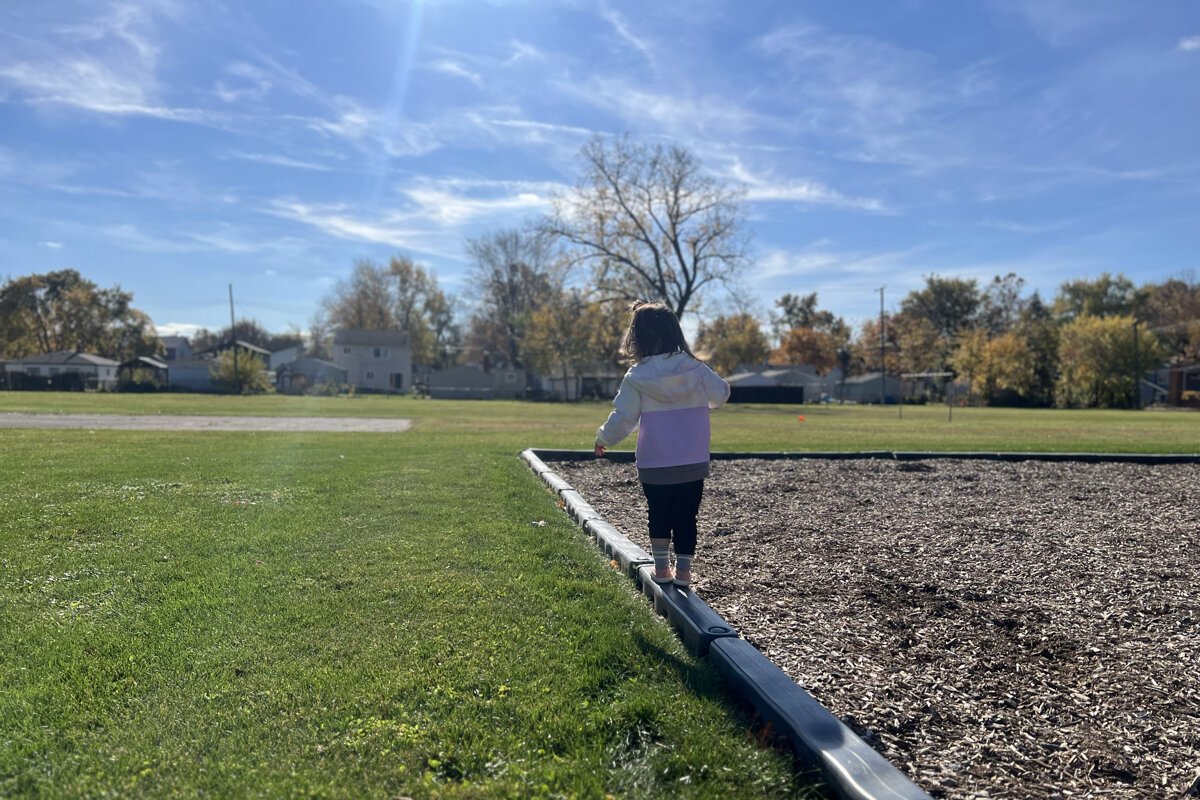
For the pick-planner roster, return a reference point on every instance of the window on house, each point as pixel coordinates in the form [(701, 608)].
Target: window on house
[(35, 370), (510, 377), (54, 370), (370, 376), (381, 352), (346, 351)]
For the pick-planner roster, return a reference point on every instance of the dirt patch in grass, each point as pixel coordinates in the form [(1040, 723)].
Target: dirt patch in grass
[(1023, 629), (180, 422)]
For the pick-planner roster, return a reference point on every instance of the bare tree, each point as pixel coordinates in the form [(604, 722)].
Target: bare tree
[(516, 273), (651, 223)]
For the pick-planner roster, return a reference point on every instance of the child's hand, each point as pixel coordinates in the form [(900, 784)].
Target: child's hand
[(600, 450)]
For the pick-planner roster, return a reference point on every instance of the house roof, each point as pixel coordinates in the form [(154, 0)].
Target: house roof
[(785, 376), (751, 379), (67, 357), (145, 361), (347, 336), (241, 344), (775, 376), (311, 362), (870, 376)]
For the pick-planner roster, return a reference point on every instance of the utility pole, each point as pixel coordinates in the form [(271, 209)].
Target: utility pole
[(882, 350), (237, 376), (1137, 369)]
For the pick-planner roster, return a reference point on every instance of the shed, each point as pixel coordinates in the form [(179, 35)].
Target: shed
[(299, 375), (1183, 385), (159, 370), (865, 388), (461, 383)]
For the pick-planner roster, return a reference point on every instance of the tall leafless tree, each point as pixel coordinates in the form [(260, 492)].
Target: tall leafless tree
[(651, 223), (516, 272)]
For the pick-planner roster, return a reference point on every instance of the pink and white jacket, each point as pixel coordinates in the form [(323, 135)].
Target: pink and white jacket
[(667, 397)]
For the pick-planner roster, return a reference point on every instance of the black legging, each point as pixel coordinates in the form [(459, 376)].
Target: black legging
[(673, 510)]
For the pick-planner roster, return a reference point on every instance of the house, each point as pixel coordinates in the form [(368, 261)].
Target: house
[(466, 382), (301, 374), (64, 369), (763, 383), (865, 388), (594, 382), (191, 374), (378, 361), (194, 372), (285, 356), (761, 387), (176, 348)]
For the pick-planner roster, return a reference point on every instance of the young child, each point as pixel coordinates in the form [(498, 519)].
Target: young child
[(666, 394)]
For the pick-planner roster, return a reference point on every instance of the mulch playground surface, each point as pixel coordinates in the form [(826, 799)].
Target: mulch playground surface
[(1013, 630)]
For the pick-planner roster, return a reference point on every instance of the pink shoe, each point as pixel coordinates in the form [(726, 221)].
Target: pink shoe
[(662, 578)]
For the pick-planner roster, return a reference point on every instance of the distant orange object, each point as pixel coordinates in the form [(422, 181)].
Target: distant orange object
[(800, 418)]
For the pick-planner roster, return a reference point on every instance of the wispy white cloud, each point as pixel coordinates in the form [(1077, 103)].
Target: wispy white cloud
[(868, 99), (780, 263), (1024, 228), (106, 65), (445, 204), (541, 127), (340, 221), (219, 238), (456, 70), (1066, 22), (523, 51), (277, 160), (674, 112), (434, 216), (864, 86), (52, 245), (554, 143), (765, 188), (133, 237), (1190, 43), (188, 329), (845, 280), (375, 130), (249, 83), (626, 33)]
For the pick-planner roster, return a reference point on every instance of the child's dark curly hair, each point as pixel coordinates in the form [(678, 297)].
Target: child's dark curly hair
[(653, 330)]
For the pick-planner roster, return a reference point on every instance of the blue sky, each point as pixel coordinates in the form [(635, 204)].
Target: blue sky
[(176, 146)]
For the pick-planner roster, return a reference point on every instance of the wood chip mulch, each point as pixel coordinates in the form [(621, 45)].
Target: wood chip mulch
[(1012, 630)]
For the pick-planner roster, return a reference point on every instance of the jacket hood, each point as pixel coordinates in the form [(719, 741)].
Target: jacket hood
[(667, 377)]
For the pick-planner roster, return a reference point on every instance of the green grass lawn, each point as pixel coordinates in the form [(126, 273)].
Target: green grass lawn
[(355, 615), (744, 427)]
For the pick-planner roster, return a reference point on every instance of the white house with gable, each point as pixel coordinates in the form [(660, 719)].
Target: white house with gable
[(94, 371), (375, 360)]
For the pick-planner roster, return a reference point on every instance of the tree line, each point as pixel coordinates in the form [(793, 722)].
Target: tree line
[(646, 222)]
